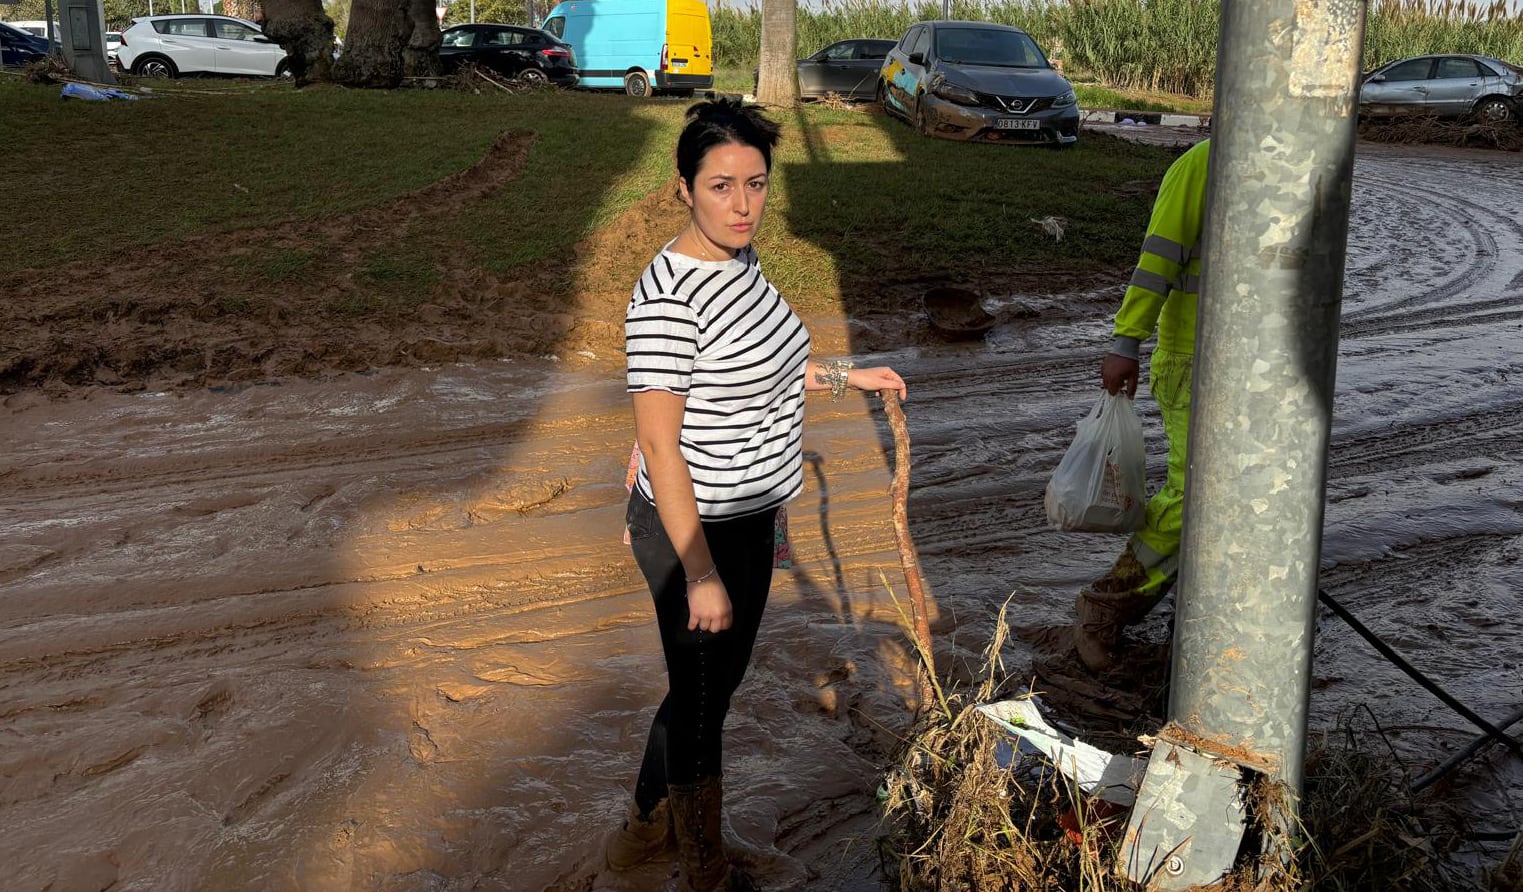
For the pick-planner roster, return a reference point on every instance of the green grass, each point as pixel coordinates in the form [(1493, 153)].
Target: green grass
[(855, 193)]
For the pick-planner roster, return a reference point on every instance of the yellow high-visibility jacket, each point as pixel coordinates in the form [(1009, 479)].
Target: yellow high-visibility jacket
[(1165, 287)]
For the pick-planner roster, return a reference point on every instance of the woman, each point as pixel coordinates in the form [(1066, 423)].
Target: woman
[(717, 365)]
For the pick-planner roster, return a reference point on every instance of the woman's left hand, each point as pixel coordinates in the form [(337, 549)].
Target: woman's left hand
[(876, 379)]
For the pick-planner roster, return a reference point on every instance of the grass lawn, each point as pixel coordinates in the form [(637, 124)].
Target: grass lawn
[(183, 180)]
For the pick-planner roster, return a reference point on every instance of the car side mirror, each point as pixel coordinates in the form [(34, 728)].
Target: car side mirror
[(1378, 79), (917, 58)]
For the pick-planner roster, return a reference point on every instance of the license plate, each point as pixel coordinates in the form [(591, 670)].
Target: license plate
[(1017, 124), (678, 66)]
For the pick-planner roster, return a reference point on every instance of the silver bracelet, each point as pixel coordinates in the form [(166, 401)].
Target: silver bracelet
[(834, 374), (694, 581)]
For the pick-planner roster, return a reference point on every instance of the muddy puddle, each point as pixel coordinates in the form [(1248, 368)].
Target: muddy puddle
[(378, 631)]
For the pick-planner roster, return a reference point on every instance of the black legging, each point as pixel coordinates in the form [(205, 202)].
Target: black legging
[(703, 669)]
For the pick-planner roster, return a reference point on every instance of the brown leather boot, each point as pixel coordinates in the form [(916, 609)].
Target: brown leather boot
[(696, 812), (639, 838)]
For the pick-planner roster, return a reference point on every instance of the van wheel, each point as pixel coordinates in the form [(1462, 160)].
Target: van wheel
[(637, 84)]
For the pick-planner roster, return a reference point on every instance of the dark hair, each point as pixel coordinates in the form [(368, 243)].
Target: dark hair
[(716, 122)]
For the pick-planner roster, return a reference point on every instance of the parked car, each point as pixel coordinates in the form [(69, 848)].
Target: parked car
[(526, 54), (18, 47), (846, 68), (978, 81), (172, 45), (639, 46), (113, 43), (1448, 86)]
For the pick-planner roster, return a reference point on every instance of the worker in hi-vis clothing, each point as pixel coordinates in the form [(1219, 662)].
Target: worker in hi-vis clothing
[(1162, 296)]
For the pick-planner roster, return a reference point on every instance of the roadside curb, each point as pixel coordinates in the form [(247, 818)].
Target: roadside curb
[(1156, 119)]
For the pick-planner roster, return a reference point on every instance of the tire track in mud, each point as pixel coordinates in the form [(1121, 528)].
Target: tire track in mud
[(1492, 243)]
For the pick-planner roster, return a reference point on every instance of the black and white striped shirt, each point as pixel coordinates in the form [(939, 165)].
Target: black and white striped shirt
[(718, 333)]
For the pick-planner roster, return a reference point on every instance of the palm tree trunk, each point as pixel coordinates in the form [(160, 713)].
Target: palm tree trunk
[(305, 32), (777, 78), (378, 34), (421, 58)]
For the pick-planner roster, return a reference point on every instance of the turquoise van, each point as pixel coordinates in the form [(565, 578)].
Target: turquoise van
[(638, 46)]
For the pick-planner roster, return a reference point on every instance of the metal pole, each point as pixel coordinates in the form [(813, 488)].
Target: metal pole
[(473, 12), (1266, 347)]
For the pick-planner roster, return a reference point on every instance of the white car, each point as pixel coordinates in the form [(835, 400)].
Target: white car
[(38, 27), (171, 45)]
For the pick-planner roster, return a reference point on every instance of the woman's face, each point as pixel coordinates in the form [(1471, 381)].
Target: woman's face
[(728, 195)]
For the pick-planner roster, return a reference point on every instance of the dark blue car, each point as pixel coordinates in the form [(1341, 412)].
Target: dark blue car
[(17, 47)]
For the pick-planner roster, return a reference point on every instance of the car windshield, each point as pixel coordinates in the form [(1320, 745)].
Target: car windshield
[(988, 46)]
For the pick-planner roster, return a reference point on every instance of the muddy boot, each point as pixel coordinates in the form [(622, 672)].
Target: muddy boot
[(700, 839), (639, 838), (1119, 599)]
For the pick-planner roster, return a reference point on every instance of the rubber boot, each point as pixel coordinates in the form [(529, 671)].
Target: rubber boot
[(639, 838), (1121, 598), (696, 821)]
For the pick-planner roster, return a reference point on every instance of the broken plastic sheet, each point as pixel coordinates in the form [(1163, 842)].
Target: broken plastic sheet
[(93, 94), (1098, 773)]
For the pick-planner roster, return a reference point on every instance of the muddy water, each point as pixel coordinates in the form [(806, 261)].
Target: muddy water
[(378, 632)]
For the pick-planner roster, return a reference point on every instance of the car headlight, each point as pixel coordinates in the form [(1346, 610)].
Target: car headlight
[(1065, 100), (953, 93)]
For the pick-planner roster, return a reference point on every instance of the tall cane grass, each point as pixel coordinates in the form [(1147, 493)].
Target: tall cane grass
[(1165, 45)]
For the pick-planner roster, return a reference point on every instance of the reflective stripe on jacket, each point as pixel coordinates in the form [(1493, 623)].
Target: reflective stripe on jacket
[(1163, 293)]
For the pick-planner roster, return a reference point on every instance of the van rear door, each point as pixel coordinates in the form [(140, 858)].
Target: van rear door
[(689, 42)]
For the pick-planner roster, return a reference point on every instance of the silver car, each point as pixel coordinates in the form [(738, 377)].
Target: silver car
[(1447, 86)]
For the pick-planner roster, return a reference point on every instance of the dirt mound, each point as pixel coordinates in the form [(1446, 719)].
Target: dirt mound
[(295, 297), (1428, 130)]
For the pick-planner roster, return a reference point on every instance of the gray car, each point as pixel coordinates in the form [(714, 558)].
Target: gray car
[(978, 81), (1450, 86)]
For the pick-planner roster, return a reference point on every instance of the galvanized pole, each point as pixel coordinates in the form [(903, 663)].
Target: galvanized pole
[(1266, 348)]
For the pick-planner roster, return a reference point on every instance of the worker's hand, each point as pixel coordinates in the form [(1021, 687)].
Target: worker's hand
[(708, 606), (1119, 371)]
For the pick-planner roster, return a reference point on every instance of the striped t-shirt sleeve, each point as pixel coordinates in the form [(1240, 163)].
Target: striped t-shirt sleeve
[(661, 343)]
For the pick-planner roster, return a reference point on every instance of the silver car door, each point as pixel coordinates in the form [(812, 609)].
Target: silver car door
[(1455, 86), (1398, 88)]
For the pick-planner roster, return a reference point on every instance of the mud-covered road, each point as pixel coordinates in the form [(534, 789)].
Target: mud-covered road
[(379, 632)]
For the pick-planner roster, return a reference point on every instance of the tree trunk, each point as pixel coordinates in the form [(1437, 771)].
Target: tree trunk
[(421, 58), (378, 33), (777, 78), (305, 32)]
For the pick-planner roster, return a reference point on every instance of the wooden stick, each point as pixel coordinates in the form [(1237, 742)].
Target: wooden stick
[(908, 558)]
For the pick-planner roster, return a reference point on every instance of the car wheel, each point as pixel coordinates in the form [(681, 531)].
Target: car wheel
[(155, 66), (1493, 110), (637, 84), (533, 77), (283, 69), (922, 120)]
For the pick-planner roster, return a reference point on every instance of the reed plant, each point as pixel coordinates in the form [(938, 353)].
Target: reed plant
[(1156, 45)]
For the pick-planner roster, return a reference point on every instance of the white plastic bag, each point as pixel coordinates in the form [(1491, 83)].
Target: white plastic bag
[(1100, 486)]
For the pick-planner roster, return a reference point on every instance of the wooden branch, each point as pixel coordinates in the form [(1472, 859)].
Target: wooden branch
[(908, 558)]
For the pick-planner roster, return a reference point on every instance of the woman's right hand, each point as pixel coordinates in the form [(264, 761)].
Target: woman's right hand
[(708, 606)]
